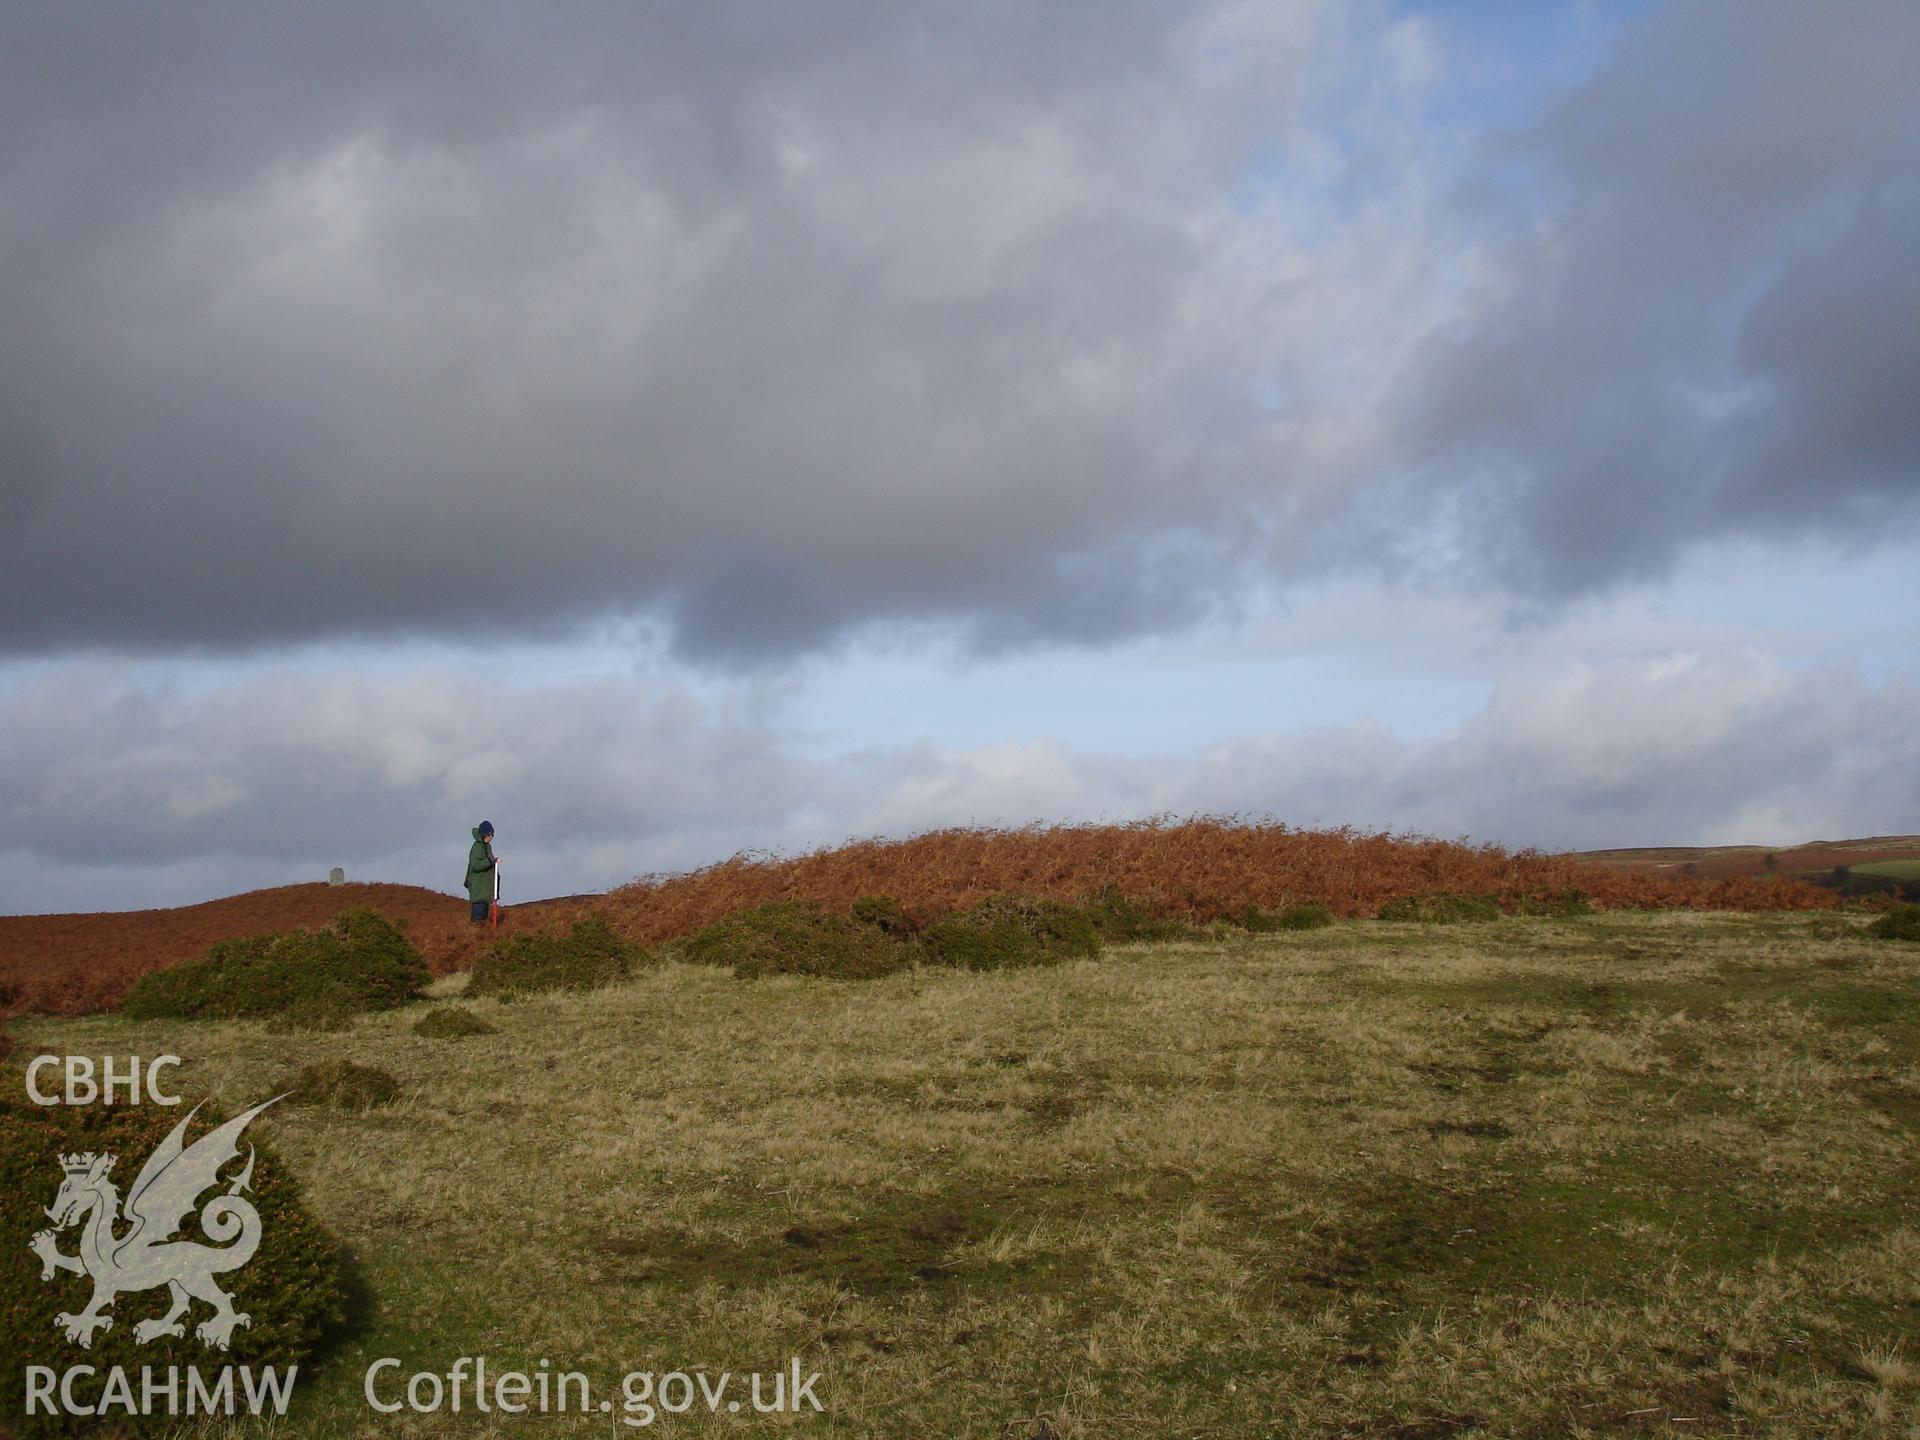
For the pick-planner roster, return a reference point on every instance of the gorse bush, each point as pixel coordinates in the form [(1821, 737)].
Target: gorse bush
[(1006, 932), (588, 956), (451, 1022), (363, 962), (1444, 909), (792, 938), (340, 1084), (1902, 922), (293, 1290)]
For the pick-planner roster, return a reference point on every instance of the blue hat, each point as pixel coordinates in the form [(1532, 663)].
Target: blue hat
[(486, 827)]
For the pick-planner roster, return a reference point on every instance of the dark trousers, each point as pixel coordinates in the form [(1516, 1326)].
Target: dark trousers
[(480, 909)]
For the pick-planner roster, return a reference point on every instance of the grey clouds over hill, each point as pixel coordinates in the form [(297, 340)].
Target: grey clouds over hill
[(1065, 322)]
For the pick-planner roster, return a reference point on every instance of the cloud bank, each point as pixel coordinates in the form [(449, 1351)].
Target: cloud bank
[(1071, 322), (160, 795)]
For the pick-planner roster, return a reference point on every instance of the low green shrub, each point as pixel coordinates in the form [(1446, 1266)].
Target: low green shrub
[(588, 956), (339, 1084), (1308, 915), (1118, 918), (363, 962), (451, 1022), (1556, 905), (1005, 945), (1902, 922), (1442, 909), (294, 1290), (1063, 930), (793, 937), (1005, 932)]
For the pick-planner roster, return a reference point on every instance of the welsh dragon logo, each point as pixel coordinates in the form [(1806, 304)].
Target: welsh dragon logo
[(146, 1254)]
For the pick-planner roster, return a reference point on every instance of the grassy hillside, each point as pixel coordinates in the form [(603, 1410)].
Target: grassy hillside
[(1643, 1174)]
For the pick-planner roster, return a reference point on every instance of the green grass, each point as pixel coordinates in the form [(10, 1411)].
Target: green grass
[(1622, 1174), (1900, 870), (1895, 869)]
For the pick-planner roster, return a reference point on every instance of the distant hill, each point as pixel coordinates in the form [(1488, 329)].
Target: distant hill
[(1824, 862)]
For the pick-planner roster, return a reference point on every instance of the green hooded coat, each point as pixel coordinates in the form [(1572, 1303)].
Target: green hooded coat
[(479, 869)]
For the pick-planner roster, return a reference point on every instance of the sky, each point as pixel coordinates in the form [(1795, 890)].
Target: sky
[(675, 430)]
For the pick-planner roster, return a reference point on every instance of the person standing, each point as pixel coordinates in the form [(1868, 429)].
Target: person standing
[(480, 863)]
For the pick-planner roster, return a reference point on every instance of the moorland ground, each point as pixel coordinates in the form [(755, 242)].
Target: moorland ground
[(1197, 869), (1634, 1173)]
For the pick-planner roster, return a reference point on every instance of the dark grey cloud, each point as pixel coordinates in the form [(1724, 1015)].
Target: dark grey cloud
[(128, 794), (773, 317), (1706, 319), (1063, 321)]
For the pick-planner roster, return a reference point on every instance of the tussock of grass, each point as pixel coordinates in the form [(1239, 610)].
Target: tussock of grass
[(314, 978), (452, 1022), (587, 957), (338, 1084)]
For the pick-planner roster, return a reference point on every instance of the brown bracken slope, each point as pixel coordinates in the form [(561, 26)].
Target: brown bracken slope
[(1197, 869), (1200, 869), (76, 964)]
